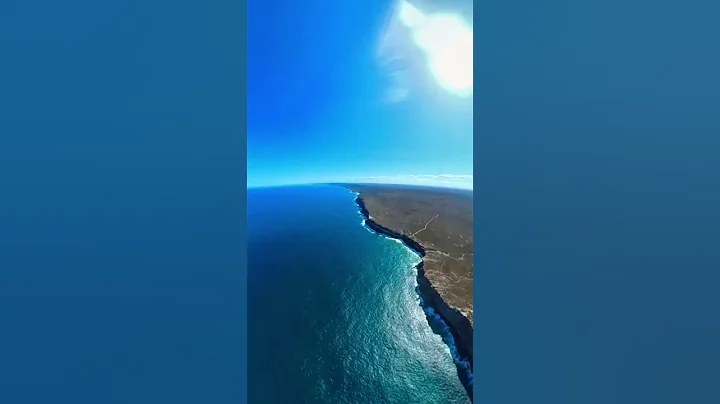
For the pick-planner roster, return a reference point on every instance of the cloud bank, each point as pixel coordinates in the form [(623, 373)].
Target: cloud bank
[(463, 181)]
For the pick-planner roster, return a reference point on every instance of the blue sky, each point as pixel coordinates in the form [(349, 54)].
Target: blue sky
[(350, 91)]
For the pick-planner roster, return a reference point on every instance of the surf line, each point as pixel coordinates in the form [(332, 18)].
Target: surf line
[(437, 323)]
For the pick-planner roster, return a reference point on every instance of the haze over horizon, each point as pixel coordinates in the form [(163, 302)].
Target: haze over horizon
[(360, 92), (441, 180)]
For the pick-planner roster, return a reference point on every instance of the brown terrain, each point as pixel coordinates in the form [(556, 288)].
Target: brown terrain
[(438, 223)]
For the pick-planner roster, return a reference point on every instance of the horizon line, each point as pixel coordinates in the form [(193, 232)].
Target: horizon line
[(342, 183)]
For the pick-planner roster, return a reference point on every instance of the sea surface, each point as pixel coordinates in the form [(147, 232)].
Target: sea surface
[(333, 315)]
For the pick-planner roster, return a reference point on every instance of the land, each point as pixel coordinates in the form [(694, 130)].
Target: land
[(437, 223)]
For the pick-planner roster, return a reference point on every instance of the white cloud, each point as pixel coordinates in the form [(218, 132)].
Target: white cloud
[(464, 181), (414, 41)]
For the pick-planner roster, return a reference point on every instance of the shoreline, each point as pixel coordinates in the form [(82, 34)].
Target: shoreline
[(433, 305)]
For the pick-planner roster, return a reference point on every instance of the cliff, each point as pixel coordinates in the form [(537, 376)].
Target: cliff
[(434, 294), (459, 325)]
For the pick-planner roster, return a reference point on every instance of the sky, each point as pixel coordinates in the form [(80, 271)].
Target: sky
[(372, 91)]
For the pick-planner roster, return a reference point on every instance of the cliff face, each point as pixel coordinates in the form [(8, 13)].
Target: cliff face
[(460, 326)]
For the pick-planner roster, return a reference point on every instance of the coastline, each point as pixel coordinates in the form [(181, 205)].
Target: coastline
[(460, 340)]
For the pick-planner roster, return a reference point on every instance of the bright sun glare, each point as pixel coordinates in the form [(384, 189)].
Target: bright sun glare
[(447, 42)]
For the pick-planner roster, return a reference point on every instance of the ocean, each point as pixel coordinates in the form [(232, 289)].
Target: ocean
[(333, 315)]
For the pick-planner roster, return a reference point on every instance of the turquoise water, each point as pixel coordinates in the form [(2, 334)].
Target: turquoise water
[(333, 315)]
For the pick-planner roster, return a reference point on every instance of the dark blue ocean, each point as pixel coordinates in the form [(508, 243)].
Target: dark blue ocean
[(333, 315)]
